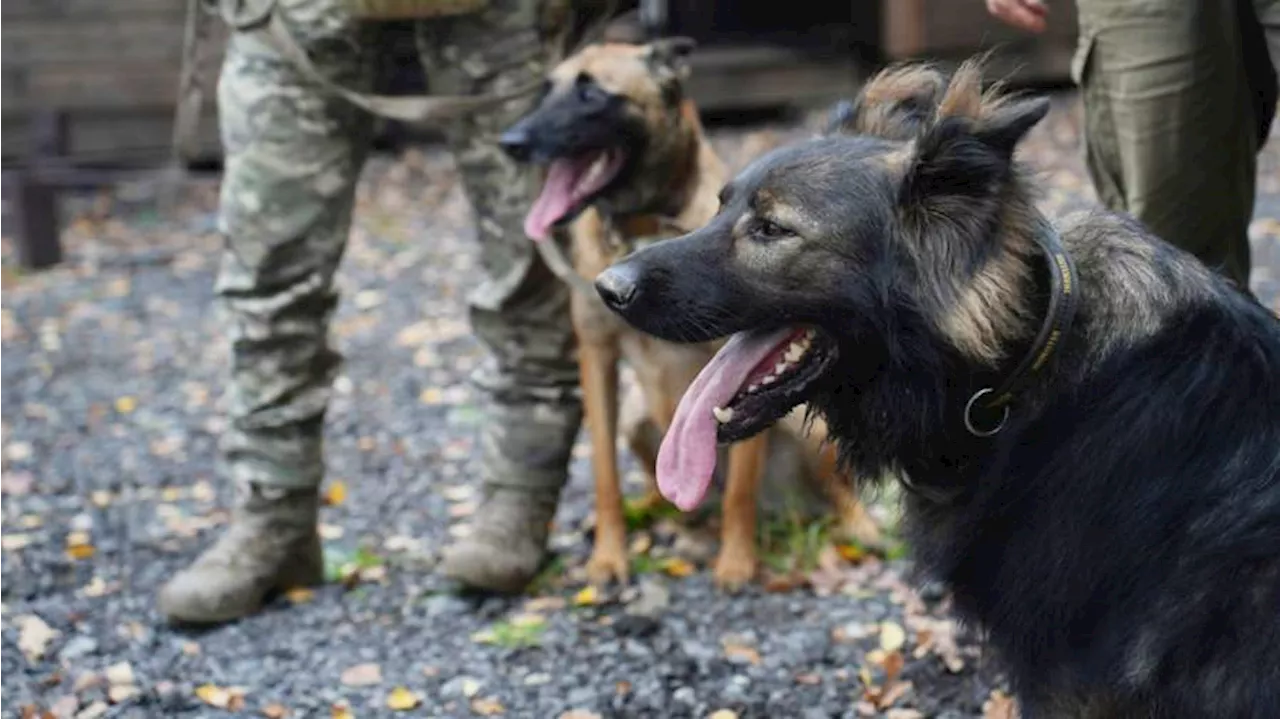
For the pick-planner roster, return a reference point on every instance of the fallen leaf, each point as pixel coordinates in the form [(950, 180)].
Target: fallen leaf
[(851, 553), (808, 680), (275, 711), (622, 688), (13, 542), (586, 597), (999, 706), (741, 653), (300, 595), (97, 587), (126, 404), (893, 665), (892, 693), (723, 714), (34, 636), (340, 711), (336, 493), (548, 603), (362, 675), (470, 687), (641, 543), (31, 521), (122, 694), (579, 714), (677, 567), (487, 706), (401, 699), (903, 713), (431, 395), (94, 710), (330, 531), (191, 649), (120, 674), (229, 698), (64, 707), (892, 636)]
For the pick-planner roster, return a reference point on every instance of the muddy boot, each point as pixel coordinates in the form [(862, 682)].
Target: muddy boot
[(271, 545), (525, 456)]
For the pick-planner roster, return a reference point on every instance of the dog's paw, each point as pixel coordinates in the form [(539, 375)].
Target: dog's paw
[(608, 565), (859, 526), (735, 568)]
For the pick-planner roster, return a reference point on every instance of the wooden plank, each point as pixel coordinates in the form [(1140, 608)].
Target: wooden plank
[(38, 44), (90, 9)]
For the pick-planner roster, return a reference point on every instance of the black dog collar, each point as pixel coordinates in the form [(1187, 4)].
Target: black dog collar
[(1063, 298)]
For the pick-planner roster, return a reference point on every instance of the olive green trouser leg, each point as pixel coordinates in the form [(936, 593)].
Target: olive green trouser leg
[(520, 311), (293, 156), (1169, 134)]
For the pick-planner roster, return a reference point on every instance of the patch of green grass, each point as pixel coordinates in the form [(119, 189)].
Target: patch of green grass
[(644, 563), (515, 633), (641, 514), (340, 563), (547, 579), (793, 543)]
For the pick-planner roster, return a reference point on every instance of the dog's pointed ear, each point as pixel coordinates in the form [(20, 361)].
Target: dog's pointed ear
[(1005, 127), (669, 56), (896, 104)]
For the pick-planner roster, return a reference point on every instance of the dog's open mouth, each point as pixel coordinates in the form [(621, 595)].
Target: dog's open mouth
[(752, 382), (570, 186)]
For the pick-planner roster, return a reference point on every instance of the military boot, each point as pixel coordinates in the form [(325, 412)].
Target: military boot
[(271, 545), (525, 455)]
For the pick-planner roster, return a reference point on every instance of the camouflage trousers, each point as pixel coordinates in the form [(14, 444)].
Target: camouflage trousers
[(1170, 134), (293, 157)]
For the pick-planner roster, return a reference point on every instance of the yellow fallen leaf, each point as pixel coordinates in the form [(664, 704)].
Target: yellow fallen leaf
[(401, 699), (75, 539), (100, 498), (851, 553), (487, 706), (300, 595), (336, 493), (221, 697), (97, 587), (81, 551), (340, 711), (723, 714), (275, 711), (34, 636), (431, 395), (126, 404), (677, 567), (741, 652), (586, 597), (892, 636)]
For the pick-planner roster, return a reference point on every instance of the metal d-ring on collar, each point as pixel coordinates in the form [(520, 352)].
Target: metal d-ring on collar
[(1063, 298)]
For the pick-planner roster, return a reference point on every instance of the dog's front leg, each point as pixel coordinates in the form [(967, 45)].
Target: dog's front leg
[(599, 376), (736, 563)]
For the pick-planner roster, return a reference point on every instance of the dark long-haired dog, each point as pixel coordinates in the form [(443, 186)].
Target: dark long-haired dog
[(1086, 418)]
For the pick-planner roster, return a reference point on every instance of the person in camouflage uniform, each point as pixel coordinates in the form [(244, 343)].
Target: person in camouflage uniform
[(293, 157), (1179, 96)]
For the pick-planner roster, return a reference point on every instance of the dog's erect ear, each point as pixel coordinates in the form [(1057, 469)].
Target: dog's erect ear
[(1004, 127), (669, 57), (896, 104)]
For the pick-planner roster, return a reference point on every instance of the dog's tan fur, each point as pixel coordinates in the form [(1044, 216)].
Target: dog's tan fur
[(664, 370)]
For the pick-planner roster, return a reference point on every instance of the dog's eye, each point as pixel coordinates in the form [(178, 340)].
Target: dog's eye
[(769, 230)]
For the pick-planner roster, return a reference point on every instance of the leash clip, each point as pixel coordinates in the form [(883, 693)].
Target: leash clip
[(968, 416)]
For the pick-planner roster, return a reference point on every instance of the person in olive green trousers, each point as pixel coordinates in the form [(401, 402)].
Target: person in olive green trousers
[(1178, 99)]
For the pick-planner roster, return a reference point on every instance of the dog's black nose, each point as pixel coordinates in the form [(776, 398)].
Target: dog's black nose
[(517, 143), (617, 286)]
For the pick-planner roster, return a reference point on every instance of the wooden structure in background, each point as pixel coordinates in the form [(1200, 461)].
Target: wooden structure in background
[(89, 86)]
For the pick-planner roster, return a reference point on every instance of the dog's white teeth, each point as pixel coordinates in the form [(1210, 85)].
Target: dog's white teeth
[(723, 416), (781, 367), (753, 387), (795, 351)]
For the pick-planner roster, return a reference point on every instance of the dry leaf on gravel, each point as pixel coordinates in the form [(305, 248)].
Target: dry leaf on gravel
[(362, 675), (126, 404), (892, 636), (487, 706), (340, 711), (229, 698), (739, 653), (335, 493), (34, 636), (401, 699), (275, 711), (677, 567), (901, 713), (723, 714), (120, 674), (579, 714), (999, 706), (300, 595), (586, 597)]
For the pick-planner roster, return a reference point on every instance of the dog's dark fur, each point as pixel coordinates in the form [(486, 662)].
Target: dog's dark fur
[(1119, 539)]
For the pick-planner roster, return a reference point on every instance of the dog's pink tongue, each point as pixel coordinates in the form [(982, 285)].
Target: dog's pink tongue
[(687, 458), (556, 199)]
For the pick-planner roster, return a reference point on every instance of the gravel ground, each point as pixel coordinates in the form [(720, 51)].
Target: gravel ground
[(110, 410)]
